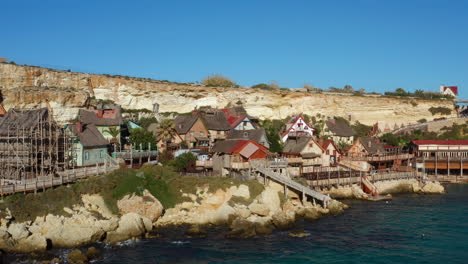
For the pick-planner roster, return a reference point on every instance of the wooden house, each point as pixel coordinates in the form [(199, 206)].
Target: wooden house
[(32, 144), (238, 118), (192, 130), (338, 131), (257, 135), (89, 145), (296, 127), (331, 152), (107, 121), (366, 147), (236, 154), (441, 157), (303, 154)]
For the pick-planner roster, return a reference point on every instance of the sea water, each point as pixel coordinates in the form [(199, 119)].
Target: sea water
[(411, 228)]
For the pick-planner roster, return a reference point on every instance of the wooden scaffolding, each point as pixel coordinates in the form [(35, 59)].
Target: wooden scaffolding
[(33, 145)]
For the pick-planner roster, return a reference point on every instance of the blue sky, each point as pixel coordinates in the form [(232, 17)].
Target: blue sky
[(378, 45)]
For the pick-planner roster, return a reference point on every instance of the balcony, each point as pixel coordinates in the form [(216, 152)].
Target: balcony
[(239, 165), (311, 162), (204, 163), (294, 160)]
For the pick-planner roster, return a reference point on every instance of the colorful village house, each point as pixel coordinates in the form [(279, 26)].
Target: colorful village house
[(296, 127), (192, 130), (442, 158), (236, 154), (238, 118), (378, 154), (338, 131), (303, 154), (89, 145), (332, 153), (257, 135), (107, 121), (449, 90)]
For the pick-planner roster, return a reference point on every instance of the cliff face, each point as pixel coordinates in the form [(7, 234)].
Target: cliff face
[(27, 86)]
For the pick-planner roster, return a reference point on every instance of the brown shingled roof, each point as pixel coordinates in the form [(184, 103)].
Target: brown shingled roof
[(183, 123), (253, 134), (339, 128), (89, 136), (111, 117), (372, 145)]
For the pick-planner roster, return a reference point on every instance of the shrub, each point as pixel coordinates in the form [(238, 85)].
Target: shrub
[(440, 110), (422, 120), (262, 86), (140, 137), (217, 80), (185, 162)]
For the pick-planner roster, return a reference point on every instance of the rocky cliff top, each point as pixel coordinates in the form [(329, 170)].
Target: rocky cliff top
[(29, 86)]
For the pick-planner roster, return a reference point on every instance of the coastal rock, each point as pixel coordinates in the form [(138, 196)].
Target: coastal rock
[(242, 191), (259, 209), (77, 257), (336, 207), (18, 231), (145, 205), (270, 198), (92, 253), (298, 233), (130, 225), (309, 213), (282, 220), (95, 202), (33, 243), (433, 187), (195, 231), (241, 228), (243, 212)]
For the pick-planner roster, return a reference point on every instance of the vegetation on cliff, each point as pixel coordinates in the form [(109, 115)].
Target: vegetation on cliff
[(163, 183)]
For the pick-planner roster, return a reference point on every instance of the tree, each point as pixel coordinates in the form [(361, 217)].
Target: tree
[(166, 130), (400, 91), (141, 137), (185, 162), (348, 89), (218, 80), (114, 132)]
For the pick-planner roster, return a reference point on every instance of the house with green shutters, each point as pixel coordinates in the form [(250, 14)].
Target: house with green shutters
[(89, 146), (107, 121)]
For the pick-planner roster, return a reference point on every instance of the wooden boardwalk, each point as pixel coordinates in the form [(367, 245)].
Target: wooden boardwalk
[(268, 173), (8, 187)]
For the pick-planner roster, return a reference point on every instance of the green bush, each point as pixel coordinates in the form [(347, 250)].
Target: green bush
[(217, 80), (440, 110)]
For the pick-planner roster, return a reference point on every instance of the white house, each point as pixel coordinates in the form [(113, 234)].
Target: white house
[(449, 90), (296, 127)]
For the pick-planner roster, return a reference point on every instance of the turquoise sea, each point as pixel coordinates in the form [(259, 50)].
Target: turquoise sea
[(409, 229)]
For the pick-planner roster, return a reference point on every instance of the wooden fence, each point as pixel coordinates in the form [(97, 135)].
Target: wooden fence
[(64, 177)]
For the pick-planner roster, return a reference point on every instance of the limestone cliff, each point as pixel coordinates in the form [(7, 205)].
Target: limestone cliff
[(28, 86)]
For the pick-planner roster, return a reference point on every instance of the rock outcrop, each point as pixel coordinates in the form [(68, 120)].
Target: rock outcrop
[(145, 205), (86, 224), (27, 87)]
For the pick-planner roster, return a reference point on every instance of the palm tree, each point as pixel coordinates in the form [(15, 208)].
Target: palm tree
[(113, 132), (166, 130)]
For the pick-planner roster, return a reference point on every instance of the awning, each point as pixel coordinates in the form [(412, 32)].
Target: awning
[(310, 155), (202, 139)]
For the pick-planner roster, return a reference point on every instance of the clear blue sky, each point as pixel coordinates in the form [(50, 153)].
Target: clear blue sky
[(378, 45)]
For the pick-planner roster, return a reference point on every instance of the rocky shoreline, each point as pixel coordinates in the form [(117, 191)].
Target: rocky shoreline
[(234, 207)]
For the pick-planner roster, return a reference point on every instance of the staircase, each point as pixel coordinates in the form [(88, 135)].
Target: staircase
[(368, 186), (268, 173), (354, 165)]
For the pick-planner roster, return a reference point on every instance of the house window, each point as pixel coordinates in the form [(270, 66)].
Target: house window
[(86, 155), (202, 134), (101, 154)]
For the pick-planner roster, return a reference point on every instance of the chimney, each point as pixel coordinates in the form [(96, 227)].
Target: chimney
[(100, 113), (79, 127)]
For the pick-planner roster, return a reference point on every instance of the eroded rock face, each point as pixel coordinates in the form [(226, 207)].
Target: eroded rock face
[(73, 89), (259, 209), (130, 225), (145, 205), (433, 187)]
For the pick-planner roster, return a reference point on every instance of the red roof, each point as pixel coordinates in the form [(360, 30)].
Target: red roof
[(440, 142), (453, 88)]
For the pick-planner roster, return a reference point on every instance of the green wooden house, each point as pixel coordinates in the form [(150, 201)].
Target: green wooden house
[(89, 145)]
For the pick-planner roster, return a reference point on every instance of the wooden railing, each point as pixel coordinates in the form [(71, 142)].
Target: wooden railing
[(311, 162), (294, 160), (64, 177), (239, 165), (383, 157), (126, 155)]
